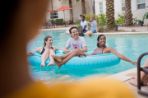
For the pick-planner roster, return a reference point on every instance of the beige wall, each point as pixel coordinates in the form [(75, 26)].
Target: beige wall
[(76, 6), (56, 4), (77, 9), (89, 5)]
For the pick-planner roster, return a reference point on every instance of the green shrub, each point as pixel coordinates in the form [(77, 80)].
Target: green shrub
[(52, 21), (101, 20), (87, 17), (77, 23), (120, 20), (145, 16), (59, 21)]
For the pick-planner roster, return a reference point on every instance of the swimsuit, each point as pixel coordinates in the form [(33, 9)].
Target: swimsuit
[(44, 50), (98, 51)]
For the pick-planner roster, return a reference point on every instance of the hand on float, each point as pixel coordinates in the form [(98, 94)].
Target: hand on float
[(30, 53), (134, 63)]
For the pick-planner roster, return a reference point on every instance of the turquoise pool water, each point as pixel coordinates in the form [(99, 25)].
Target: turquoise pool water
[(129, 45)]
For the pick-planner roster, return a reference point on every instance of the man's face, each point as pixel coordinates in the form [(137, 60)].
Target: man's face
[(74, 33)]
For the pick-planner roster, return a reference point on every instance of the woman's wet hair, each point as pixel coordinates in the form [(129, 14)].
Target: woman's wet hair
[(8, 9), (45, 39), (73, 28), (98, 45)]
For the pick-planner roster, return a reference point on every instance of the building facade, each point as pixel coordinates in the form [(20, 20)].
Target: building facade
[(78, 7), (138, 7)]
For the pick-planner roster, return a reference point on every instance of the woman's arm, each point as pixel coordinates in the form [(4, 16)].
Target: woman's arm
[(121, 56), (94, 52)]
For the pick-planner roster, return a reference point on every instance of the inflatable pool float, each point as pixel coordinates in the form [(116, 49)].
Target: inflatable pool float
[(79, 63)]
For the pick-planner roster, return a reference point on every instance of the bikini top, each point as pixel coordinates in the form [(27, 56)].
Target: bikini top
[(44, 50), (98, 51)]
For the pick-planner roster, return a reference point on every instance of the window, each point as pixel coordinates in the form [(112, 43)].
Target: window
[(140, 1), (101, 7), (123, 5), (140, 4), (54, 15)]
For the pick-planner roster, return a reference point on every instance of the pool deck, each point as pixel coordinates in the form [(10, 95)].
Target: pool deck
[(126, 77), (145, 31)]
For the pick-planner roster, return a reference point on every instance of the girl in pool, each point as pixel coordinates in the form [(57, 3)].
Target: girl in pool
[(47, 51), (102, 48)]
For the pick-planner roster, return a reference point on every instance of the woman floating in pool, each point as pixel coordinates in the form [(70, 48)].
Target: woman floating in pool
[(47, 51), (102, 48), (75, 46)]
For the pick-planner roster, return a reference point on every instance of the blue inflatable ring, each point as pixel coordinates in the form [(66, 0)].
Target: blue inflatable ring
[(75, 63)]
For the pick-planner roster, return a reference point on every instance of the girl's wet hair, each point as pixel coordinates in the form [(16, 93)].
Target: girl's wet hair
[(98, 45), (73, 28), (45, 39)]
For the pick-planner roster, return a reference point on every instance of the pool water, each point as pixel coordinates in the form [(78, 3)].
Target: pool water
[(130, 45)]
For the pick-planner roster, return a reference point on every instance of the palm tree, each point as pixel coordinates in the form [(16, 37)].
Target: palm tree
[(83, 6), (71, 11), (93, 6), (110, 14), (51, 4), (128, 13)]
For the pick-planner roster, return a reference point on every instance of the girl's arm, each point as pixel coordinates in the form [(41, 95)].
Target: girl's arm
[(36, 50), (121, 56), (54, 49), (66, 50)]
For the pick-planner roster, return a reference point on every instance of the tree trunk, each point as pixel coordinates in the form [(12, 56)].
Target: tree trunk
[(110, 14), (83, 6), (128, 13), (93, 7), (71, 11)]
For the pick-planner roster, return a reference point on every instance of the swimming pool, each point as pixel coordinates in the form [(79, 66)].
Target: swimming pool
[(130, 45)]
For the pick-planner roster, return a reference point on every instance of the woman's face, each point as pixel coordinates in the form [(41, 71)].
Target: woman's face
[(102, 41), (49, 41), (91, 19), (74, 33)]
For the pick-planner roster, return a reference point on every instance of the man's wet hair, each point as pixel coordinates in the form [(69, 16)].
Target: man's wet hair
[(73, 28), (82, 16)]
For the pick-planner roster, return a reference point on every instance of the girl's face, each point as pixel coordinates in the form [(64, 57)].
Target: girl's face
[(102, 41), (49, 41), (74, 33)]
